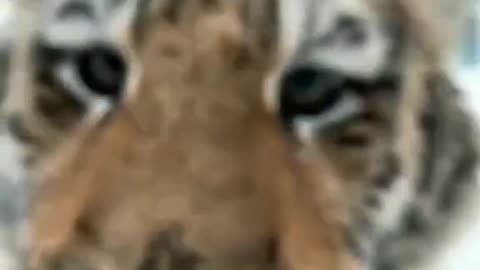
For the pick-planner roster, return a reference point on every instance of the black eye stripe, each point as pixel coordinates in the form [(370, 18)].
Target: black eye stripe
[(100, 67), (382, 83), (46, 59), (353, 28), (46, 54), (76, 9), (18, 129)]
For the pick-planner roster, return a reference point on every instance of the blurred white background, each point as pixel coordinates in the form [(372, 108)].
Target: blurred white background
[(10, 186), (464, 255)]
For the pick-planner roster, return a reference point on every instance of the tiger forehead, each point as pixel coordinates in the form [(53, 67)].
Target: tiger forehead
[(173, 11), (186, 11), (176, 5), (76, 23)]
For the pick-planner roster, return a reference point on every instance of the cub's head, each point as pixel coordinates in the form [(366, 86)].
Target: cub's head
[(147, 143), (353, 80)]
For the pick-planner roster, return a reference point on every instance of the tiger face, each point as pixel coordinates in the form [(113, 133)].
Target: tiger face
[(352, 82), (366, 84), (148, 145)]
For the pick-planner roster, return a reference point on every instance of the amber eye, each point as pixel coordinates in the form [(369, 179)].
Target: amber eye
[(103, 70)]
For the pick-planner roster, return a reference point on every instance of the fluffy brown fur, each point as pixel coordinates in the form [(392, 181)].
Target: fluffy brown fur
[(191, 171)]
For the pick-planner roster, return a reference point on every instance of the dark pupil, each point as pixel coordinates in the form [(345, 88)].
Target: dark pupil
[(103, 71)]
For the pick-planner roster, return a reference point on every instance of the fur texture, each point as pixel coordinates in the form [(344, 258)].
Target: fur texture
[(187, 169), (409, 171)]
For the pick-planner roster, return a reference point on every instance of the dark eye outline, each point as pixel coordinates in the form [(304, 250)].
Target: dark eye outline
[(103, 69)]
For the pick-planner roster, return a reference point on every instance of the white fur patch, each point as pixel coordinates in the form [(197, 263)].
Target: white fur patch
[(364, 60), (110, 24), (13, 198), (394, 202), (306, 127)]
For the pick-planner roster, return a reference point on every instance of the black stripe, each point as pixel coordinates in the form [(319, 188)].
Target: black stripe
[(461, 175), (45, 59), (433, 122), (52, 100), (76, 9), (428, 123), (387, 175), (18, 129), (414, 222), (447, 136)]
